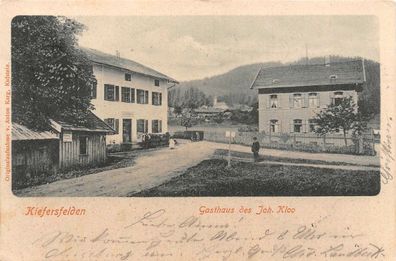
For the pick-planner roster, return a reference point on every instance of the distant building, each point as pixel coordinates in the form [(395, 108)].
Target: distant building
[(290, 96), (130, 97), (209, 112), (219, 104)]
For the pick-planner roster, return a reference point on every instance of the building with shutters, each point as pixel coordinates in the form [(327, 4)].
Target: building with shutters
[(290, 96), (128, 96)]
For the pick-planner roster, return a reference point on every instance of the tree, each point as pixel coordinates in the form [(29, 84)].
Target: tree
[(187, 122), (178, 110), (51, 77), (341, 116)]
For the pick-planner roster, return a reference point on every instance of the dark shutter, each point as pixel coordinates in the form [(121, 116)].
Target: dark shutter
[(160, 98), (146, 97), (153, 94), (146, 126), (117, 125), (117, 93), (132, 95), (94, 87)]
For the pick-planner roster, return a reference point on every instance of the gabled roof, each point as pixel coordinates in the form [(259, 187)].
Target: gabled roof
[(94, 124), (129, 65), (20, 132), (350, 72)]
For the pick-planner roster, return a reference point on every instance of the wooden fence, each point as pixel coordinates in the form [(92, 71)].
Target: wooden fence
[(332, 143)]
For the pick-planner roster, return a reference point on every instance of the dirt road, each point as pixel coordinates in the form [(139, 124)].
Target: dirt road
[(153, 168)]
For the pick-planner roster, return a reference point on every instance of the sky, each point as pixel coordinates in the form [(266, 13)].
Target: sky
[(195, 47)]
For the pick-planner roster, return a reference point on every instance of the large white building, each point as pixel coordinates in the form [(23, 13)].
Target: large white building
[(128, 96)]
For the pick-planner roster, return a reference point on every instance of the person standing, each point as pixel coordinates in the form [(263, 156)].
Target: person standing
[(255, 149), (172, 144)]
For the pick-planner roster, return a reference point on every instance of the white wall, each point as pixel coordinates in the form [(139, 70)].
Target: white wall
[(122, 110), (285, 115)]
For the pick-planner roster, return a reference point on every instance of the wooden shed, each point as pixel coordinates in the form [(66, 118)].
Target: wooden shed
[(82, 145), (34, 154)]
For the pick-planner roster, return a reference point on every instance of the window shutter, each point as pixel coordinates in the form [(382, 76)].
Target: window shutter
[(305, 100), (318, 97), (160, 98), (279, 100), (117, 125), (94, 87), (152, 98), (160, 126), (133, 95), (105, 92), (117, 93), (291, 100), (146, 97), (146, 126), (291, 126)]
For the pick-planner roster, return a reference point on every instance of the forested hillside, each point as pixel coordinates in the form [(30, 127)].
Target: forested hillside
[(233, 86)]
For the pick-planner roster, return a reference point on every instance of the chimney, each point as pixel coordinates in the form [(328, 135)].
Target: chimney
[(327, 60)]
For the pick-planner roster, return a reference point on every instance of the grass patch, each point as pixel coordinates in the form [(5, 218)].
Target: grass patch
[(245, 155), (212, 178), (112, 162)]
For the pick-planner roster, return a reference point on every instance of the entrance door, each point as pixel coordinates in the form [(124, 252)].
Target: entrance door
[(126, 130)]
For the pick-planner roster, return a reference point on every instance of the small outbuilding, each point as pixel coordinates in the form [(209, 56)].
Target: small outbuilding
[(65, 146), (82, 145)]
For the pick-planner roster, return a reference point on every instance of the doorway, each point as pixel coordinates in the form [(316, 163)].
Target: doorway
[(126, 130)]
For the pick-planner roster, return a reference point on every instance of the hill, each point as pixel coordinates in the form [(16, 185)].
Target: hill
[(233, 86)]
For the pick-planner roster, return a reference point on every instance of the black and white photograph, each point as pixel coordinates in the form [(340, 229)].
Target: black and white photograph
[(195, 106)]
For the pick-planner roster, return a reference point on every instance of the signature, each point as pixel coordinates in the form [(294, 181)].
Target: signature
[(386, 153), (157, 235)]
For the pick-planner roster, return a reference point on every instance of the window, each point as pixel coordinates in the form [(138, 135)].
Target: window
[(125, 94), (114, 123), (111, 92), (156, 126), (274, 101), (83, 145), (274, 126), (142, 126), (94, 89), (297, 126), (313, 100), (338, 96), (128, 77), (297, 100), (156, 83), (142, 96), (312, 125), (157, 98)]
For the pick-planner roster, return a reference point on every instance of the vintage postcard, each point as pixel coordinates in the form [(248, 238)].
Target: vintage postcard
[(197, 130)]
